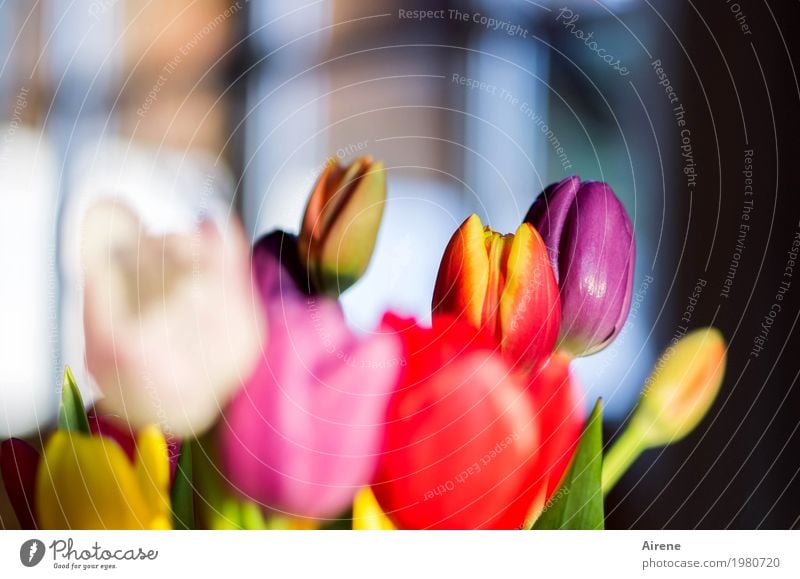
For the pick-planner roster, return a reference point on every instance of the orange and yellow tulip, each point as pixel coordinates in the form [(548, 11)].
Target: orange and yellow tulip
[(504, 285), (341, 223)]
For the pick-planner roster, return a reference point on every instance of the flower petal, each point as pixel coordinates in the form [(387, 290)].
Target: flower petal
[(88, 483), (461, 284)]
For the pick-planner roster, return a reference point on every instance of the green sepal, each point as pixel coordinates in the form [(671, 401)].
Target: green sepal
[(72, 414)]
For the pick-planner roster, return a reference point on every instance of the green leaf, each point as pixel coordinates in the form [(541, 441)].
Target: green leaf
[(220, 510), (71, 414), (578, 502), (182, 494)]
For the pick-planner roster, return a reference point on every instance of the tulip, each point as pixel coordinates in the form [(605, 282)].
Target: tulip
[(303, 435), (367, 513), (589, 239), (341, 223), (87, 482), (107, 427), (19, 462), (470, 443), (676, 397), (171, 323), (502, 284)]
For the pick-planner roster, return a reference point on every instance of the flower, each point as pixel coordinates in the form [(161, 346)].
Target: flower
[(367, 513), (303, 435), (341, 223), (19, 463), (682, 387), (589, 239), (504, 285), (87, 482), (171, 322), (676, 397), (469, 442), (106, 426)]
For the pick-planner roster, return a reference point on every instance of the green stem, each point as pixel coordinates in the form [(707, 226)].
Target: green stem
[(624, 452), (182, 493)]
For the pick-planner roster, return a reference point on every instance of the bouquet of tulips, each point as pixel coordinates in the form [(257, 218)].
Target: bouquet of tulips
[(235, 395)]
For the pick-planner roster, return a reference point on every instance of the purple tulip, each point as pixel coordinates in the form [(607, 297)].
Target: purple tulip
[(304, 434), (589, 239)]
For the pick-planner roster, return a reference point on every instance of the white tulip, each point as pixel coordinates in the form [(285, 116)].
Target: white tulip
[(172, 323)]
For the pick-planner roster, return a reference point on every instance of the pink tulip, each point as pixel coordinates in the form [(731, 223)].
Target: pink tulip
[(304, 434), (172, 322)]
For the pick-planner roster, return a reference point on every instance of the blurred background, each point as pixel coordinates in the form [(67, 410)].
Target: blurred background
[(474, 106)]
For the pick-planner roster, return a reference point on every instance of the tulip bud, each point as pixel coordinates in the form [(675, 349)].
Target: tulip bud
[(676, 397), (503, 285), (589, 239), (341, 223), (682, 387)]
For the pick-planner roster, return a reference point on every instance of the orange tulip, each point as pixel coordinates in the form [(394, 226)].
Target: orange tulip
[(504, 285), (341, 223)]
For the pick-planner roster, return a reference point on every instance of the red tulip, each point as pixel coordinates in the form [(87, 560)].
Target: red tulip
[(470, 443), (503, 284)]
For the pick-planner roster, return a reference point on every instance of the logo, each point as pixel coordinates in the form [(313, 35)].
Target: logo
[(31, 552)]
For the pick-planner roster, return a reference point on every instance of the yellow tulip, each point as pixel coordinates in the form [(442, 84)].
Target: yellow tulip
[(676, 397), (367, 513), (88, 482), (682, 387)]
